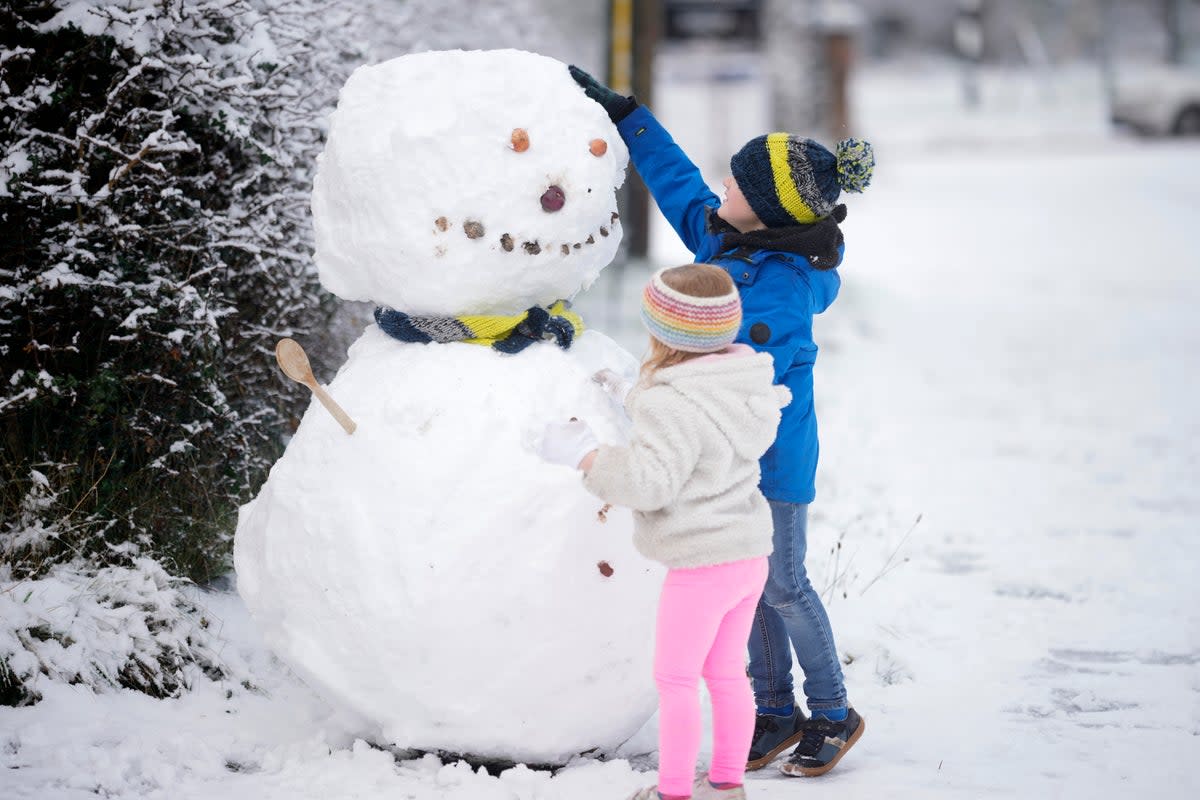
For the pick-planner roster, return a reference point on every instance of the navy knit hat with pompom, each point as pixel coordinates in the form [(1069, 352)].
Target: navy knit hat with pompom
[(788, 180)]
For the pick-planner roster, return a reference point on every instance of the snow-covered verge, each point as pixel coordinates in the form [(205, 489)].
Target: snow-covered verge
[(227, 738), (1018, 363), (1014, 360), (131, 626)]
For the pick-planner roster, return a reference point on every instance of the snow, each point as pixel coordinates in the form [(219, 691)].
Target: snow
[(15, 162), (1024, 354), (90, 626), (1014, 360), (131, 321), (61, 275), (131, 26)]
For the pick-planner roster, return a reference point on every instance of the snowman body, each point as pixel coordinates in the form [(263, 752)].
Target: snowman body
[(431, 571)]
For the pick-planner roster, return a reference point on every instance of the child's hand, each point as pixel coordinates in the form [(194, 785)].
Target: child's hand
[(567, 443), (617, 106), (613, 384)]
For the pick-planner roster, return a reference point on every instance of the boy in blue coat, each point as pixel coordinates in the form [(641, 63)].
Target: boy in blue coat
[(777, 235)]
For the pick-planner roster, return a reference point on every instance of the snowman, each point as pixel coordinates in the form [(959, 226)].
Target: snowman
[(429, 571)]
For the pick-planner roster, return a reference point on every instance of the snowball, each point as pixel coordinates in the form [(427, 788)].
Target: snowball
[(434, 574), (421, 151)]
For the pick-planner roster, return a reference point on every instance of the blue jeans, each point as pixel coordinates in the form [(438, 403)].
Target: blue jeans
[(790, 616)]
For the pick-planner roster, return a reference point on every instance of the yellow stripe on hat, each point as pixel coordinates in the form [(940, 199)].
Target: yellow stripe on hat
[(785, 187)]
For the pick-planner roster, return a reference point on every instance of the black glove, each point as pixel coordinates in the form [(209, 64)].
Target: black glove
[(617, 106)]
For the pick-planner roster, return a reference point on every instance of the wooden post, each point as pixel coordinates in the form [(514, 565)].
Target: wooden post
[(647, 25), (633, 36), (839, 55), (1173, 25), (968, 42)]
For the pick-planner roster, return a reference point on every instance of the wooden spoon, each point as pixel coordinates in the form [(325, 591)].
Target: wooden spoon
[(294, 363)]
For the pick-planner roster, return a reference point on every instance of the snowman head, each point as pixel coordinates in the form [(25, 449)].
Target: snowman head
[(452, 183)]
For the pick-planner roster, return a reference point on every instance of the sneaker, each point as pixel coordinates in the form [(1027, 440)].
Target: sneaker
[(703, 790), (651, 793), (645, 793), (772, 735), (823, 742)]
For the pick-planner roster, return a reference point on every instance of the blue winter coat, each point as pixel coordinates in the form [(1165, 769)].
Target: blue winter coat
[(779, 290)]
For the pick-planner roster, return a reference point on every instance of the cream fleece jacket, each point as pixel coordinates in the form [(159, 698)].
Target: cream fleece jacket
[(690, 472)]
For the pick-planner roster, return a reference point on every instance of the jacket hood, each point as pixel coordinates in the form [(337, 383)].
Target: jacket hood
[(735, 389)]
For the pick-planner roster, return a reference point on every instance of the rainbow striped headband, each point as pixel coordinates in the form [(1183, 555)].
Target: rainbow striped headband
[(691, 324)]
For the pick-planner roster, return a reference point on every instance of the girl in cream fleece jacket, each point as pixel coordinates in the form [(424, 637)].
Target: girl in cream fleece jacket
[(704, 412)]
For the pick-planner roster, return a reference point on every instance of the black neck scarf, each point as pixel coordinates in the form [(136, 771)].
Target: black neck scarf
[(817, 241)]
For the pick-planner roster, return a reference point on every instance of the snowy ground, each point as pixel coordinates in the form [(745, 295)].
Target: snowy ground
[(1015, 358)]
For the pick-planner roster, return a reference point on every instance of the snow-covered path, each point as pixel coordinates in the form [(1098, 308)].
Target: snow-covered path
[(1018, 360), (1015, 358)]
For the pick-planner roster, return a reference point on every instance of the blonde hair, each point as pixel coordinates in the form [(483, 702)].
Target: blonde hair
[(695, 280)]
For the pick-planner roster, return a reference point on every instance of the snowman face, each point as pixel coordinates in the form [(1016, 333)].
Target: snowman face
[(460, 183)]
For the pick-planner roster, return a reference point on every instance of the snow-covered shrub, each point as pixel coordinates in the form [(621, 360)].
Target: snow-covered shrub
[(155, 163), (130, 626)]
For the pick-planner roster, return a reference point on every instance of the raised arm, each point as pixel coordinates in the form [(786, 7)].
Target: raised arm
[(674, 181)]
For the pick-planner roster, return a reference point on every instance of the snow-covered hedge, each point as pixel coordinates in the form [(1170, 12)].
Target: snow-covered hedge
[(156, 162)]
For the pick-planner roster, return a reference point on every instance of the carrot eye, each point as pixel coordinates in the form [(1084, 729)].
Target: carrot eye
[(598, 147), (520, 140)]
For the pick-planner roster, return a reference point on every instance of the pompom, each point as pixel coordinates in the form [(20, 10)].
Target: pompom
[(855, 164)]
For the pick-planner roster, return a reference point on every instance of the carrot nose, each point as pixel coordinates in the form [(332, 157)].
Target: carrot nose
[(553, 199)]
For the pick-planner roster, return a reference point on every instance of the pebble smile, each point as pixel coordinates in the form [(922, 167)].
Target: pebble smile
[(474, 229)]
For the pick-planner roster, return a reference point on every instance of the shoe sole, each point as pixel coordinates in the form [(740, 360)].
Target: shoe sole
[(811, 772), (759, 763)]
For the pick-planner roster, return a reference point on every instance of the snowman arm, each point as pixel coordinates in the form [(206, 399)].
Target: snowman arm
[(662, 454), (674, 181)]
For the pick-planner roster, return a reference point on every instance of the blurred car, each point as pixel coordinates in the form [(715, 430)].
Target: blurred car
[(1162, 102)]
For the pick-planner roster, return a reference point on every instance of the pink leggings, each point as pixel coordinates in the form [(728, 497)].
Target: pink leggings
[(704, 618)]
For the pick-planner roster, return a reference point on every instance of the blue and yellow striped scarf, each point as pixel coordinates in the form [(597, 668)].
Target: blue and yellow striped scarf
[(506, 333)]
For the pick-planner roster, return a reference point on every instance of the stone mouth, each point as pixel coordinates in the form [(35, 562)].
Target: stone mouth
[(474, 229)]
